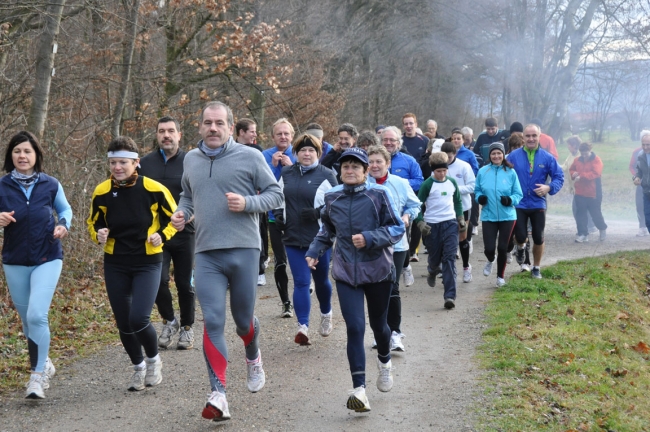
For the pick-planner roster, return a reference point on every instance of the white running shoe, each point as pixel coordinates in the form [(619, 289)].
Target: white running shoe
[(35, 387), (137, 380), (357, 400), (216, 408), (302, 337), (475, 230), (407, 273), (487, 270), (471, 246), (642, 232), (261, 280), (467, 274), (385, 377), (153, 375), (49, 370), (256, 377), (500, 282), (326, 324), (396, 342), (525, 268), (509, 257), (266, 263), (168, 331), (374, 344), (582, 239), (185, 339)]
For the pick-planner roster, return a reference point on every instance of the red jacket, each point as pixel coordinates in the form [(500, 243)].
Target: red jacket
[(548, 143), (589, 170)]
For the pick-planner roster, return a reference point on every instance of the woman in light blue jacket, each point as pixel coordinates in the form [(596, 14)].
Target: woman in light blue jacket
[(407, 206), (498, 191)]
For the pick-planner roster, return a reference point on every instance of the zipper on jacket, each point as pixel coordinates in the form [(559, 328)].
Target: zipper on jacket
[(211, 162), (496, 181), (353, 247)]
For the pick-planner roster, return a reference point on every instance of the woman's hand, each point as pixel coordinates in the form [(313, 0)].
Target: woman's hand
[(102, 236), (406, 219), (6, 218), (637, 182), (359, 241), (311, 262), (60, 231), (155, 239)]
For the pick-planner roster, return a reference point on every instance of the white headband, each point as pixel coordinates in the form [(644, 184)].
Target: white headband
[(123, 154)]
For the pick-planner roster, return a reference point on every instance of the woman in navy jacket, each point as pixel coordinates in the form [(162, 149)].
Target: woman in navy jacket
[(31, 253), (365, 226)]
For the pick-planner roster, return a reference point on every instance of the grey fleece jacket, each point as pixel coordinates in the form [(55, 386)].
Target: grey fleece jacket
[(238, 169)]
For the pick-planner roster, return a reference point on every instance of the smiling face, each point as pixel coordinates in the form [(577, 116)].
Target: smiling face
[(531, 136), (390, 140), (378, 166), (496, 157), (214, 128), (409, 124), (24, 158), (353, 172), (122, 168), (346, 140)]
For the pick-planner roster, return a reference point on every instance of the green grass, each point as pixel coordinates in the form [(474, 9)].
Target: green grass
[(570, 353)]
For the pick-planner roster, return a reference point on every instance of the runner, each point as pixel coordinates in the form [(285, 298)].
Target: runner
[(365, 226), (32, 257), (130, 218), (220, 189)]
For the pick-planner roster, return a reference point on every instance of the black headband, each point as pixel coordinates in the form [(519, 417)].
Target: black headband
[(439, 165)]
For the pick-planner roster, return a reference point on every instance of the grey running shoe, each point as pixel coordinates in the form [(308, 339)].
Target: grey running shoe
[(385, 377), (467, 274), (500, 282), (326, 324), (137, 380), (487, 270), (167, 333), (396, 342), (216, 408), (261, 280), (450, 303), (35, 387), (287, 310), (186, 338), (520, 251), (536, 273), (256, 378), (582, 239), (603, 235), (407, 274), (153, 375), (358, 401)]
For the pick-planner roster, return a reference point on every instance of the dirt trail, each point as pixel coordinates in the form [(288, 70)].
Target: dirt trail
[(306, 388)]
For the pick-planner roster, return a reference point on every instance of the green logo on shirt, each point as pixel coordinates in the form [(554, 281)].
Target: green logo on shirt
[(444, 193)]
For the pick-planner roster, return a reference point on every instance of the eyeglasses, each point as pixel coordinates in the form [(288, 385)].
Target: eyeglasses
[(389, 140)]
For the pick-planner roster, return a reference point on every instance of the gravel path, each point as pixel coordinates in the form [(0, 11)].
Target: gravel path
[(306, 388)]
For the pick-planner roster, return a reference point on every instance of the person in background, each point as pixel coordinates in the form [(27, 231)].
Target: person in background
[(277, 158), (165, 165), (379, 128), (362, 224), (573, 143), (585, 172), (468, 138), (643, 230), (432, 128), (347, 138), (130, 217), (366, 139), (491, 134), (32, 256), (498, 191), (304, 185), (415, 142), (546, 141), (316, 130)]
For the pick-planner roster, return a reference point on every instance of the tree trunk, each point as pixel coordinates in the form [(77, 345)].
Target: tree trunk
[(127, 59), (44, 68)]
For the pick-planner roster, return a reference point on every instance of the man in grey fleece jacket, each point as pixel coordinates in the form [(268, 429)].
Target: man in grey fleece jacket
[(221, 180)]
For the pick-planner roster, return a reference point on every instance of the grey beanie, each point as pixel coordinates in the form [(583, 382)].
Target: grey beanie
[(496, 146)]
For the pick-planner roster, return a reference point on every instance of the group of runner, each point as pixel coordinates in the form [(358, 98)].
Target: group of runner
[(365, 196)]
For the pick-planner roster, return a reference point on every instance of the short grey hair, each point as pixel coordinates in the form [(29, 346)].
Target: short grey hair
[(644, 132), (396, 131), (217, 104), (467, 130), (435, 123)]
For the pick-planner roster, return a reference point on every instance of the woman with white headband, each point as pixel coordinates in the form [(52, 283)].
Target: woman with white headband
[(130, 218)]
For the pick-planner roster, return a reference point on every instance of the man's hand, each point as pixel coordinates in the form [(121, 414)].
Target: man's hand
[(178, 221), (102, 236), (276, 158), (236, 202), (6, 218), (285, 160), (359, 241), (542, 189), (155, 239), (60, 231)]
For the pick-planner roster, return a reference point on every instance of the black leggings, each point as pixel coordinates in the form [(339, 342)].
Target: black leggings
[(395, 303), (280, 254), (132, 290), (464, 245), (180, 250), (537, 219), (264, 235), (502, 230)]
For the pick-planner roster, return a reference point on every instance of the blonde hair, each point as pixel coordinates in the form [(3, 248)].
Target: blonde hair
[(280, 121), (380, 150), (438, 158)]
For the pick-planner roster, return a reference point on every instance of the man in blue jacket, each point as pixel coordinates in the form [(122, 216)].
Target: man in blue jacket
[(534, 166)]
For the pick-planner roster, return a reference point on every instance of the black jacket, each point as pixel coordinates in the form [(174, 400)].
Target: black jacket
[(643, 172), (303, 197)]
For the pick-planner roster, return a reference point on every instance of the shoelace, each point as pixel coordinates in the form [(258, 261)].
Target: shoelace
[(184, 335), (255, 371), (166, 331)]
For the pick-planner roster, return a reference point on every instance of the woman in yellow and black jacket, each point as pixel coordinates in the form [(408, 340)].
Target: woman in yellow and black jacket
[(130, 217)]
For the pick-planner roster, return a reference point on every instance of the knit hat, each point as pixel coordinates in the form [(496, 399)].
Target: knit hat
[(516, 127), (379, 128), (497, 146), (307, 140)]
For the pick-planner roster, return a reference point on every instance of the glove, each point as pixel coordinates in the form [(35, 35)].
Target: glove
[(310, 214), (482, 200), (506, 201), (425, 229), (279, 222), (462, 226)]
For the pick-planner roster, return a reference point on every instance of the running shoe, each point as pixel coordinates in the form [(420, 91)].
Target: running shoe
[(536, 273), (326, 324), (407, 273), (302, 337), (137, 380), (385, 376), (487, 270), (519, 253), (415, 258), (256, 378), (374, 344), (261, 280), (35, 387), (467, 274), (593, 230), (357, 400), (266, 263), (582, 239), (450, 303), (500, 282), (186, 338), (431, 279), (525, 268), (508, 257), (168, 331), (216, 408), (153, 374), (48, 373), (603, 235), (642, 232), (287, 310), (475, 230), (396, 342)]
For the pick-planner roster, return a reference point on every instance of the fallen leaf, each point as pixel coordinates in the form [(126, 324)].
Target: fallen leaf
[(641, 347), (570, 312), (622, 316)]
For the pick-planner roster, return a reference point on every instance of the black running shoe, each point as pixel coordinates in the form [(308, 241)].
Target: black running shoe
[(520, 254)]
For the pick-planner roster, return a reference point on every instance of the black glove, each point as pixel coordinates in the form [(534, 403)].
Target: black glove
[(506, 201), (310, 214), (425, 229), (462, 225), (482, 200), (279, 222)]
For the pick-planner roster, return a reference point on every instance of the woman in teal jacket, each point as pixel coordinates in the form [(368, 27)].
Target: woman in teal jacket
[(498, 191)]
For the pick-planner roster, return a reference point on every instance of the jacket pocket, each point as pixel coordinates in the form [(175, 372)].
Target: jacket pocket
[(375, 270)]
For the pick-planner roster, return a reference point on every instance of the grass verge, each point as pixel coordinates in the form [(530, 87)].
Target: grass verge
[(570, 353)]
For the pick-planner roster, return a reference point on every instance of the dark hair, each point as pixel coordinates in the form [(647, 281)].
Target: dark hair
[(367, 136), (243, 125), (122, 143), (448, 147), (491, 122), (314, 126), (456, 130), (585, 146), (214, 105), (20, 138), (167, 119), (349, 128)]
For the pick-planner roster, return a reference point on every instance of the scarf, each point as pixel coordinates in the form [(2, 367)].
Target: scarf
[(210, 152), (304, 169), (128, 182), (24, 180)]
